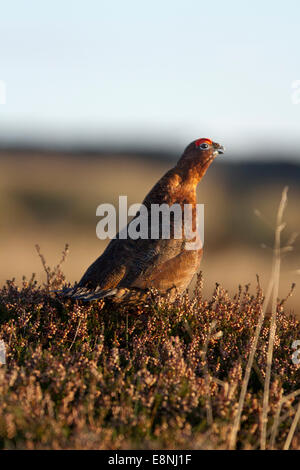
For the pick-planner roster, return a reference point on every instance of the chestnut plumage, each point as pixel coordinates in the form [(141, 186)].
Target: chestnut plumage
[(128, 268)]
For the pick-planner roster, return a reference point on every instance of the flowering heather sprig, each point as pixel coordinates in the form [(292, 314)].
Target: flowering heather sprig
[(90, 376)]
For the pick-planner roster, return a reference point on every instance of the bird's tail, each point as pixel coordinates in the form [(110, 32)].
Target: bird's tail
[(117, 294), (84, 293)]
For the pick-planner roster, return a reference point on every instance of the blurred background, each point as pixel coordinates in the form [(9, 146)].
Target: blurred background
[(99, 98)]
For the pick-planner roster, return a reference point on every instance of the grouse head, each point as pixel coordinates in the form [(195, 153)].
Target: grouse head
[(198, 155)]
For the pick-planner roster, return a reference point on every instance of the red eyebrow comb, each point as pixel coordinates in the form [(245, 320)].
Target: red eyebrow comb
[(202, 141)]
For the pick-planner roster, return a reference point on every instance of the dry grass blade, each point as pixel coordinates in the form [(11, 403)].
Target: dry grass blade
[(76, 333), (276, 276), (277, 416), (237, 420), (262, 217), (292, 429)]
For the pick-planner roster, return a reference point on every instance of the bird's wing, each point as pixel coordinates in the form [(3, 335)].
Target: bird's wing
[(139, 264), (124, 261), (109, 269), (175, 272)]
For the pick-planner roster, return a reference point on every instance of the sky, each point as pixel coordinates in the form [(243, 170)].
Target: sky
[(161, 72)]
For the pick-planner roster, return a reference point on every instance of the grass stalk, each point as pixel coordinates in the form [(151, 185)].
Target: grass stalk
[(276, 277), (237, 419), (277, 416), (292, 429)]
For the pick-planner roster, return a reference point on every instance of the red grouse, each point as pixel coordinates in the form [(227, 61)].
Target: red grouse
[(128, 268)]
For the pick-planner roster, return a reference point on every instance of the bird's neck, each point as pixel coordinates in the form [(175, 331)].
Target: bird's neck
[(191, 173), (177, 186), (187, 179)]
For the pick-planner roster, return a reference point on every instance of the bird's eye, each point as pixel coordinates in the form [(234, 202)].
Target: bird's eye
[(204, 146)]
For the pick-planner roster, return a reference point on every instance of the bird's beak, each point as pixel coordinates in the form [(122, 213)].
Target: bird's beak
[(218, 148)]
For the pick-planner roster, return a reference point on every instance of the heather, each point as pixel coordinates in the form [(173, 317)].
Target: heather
[(167, 375), (195, 372)]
